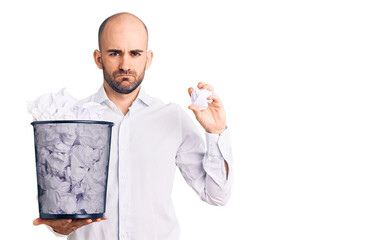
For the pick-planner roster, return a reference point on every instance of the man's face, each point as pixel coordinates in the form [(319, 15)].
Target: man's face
[(123, 81), (123, 56)]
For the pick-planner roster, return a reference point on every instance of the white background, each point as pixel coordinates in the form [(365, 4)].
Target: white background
[(306, 85)]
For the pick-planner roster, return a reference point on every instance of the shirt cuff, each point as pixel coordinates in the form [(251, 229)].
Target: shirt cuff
[(218, 145), (212, 144)]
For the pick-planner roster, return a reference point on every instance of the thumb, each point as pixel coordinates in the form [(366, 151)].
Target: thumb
[(195, 109), (38, 221)]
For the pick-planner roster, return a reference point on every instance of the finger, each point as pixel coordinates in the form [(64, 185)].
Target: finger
[(97, 219), (206, 86), (85, 221), (51, 222), (37, 222), (80, 222), (214, 98), (190, 90), (200, 84)]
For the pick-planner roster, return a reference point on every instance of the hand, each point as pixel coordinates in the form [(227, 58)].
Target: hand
[(213, 118), (65, 226)]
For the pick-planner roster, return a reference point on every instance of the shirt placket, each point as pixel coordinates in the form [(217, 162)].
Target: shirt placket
[(123, 180)]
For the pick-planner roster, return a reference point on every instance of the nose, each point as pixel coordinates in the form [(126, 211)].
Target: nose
[(125, 64)]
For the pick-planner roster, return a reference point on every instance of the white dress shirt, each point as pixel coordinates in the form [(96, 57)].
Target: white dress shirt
[(146, 146)]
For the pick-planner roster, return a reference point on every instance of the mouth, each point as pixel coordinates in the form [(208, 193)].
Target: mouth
[(124, 75)]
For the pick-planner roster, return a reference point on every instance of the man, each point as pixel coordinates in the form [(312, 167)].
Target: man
[(149, 140)]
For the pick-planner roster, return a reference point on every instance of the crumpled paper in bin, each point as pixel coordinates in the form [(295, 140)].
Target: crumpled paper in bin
[(62, 106), (71, 164)]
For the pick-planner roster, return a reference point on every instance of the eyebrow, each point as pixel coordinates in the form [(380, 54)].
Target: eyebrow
[(119, 51), (114, 50), (137, 50)]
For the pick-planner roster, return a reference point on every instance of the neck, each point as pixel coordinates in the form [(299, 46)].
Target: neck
[(122, 101)]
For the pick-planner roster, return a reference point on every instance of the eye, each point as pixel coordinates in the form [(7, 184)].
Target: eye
[(114, 54), (135, 53)]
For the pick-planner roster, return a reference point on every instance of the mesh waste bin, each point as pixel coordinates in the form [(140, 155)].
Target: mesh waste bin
[(72, 161)]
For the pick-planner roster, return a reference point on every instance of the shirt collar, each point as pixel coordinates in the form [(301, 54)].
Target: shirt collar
[(145, 98), (101, 96)]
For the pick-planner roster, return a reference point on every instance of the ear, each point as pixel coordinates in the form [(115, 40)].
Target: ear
[(98, 58), (149, 59)]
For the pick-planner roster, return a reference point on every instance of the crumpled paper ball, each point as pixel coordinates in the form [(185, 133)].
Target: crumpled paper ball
[(199, 98)]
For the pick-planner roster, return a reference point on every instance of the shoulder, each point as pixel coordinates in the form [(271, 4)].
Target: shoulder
[(171, 108), (87, 99), (163, 110), (91, 98)]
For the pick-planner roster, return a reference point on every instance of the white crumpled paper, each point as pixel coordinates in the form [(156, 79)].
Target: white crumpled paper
[(62, 106), (199, 98), (53, 106), (72, 157)]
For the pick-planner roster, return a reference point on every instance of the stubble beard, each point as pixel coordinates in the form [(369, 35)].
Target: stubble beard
[(116, 85)]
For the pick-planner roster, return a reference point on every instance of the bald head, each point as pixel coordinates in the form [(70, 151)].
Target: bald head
[(120, 18)]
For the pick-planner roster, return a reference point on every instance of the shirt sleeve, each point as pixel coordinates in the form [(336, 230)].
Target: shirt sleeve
[(203, 167)]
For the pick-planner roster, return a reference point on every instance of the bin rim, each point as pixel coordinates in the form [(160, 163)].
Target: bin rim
[(73, 121)]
